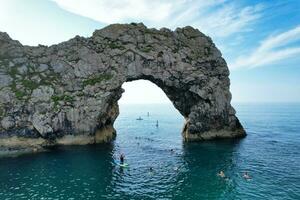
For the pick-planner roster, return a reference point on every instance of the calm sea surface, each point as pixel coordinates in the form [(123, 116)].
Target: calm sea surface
[(270, 153)]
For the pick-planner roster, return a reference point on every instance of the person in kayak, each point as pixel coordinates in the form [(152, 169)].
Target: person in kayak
[(122, 157)]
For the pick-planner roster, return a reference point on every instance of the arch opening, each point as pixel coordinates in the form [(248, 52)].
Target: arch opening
[(146, 113)]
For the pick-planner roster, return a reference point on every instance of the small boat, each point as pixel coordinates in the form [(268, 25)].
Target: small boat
[(139, 118)]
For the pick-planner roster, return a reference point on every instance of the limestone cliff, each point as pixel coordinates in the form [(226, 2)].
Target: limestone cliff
[(67, 93)]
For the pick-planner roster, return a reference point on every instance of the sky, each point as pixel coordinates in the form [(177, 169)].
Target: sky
[(259, 39)]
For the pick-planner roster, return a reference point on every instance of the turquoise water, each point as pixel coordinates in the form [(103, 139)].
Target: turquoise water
[(270, 153)]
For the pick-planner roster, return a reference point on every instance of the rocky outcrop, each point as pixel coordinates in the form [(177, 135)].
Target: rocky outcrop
[(60, 93)]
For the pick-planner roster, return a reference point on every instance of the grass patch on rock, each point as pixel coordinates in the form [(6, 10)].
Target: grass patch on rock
[(30, 84), (20, 94), (2, 111), (65, 98), (114, 45), (146, 49), (97, 79), (13, 72)]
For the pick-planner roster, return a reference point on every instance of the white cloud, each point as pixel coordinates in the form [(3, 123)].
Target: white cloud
[(112, 11), (218, 18), (229, 19), (271, 50)]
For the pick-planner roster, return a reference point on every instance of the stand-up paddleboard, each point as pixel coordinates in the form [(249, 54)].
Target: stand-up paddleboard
[(121, 165)]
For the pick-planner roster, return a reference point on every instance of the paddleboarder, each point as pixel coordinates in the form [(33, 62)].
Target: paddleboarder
[(122, 157)]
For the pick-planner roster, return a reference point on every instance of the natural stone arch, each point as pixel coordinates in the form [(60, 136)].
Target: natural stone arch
[(68, 93)]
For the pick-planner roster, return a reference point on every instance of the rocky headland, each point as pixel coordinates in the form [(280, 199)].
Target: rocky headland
[(68, 93)]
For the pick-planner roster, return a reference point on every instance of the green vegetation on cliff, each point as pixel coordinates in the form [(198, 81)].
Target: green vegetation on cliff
[(146, 49), (2, 111), (114, 45), (57, 98), (29, 84), (97, 79), (20, 94)]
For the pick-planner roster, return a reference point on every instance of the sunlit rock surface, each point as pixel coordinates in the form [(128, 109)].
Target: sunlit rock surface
[(67, 93)]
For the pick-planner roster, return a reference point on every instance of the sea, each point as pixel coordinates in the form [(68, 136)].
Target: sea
[(162, 166)]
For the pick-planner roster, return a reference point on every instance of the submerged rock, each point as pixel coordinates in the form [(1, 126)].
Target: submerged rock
[(70, 90)]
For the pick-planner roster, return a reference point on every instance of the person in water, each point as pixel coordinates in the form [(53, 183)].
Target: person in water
[(221, 174), (172, 151), (246, 175), (122, 157)]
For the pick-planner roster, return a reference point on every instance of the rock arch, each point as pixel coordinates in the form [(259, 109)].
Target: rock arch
[(68, 93)]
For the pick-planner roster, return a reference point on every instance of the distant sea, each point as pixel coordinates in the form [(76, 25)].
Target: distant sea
[(270, 153)]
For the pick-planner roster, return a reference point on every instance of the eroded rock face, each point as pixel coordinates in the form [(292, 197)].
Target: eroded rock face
[(71, 89)]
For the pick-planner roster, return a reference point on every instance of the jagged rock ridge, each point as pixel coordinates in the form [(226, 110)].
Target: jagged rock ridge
[(68, 93)]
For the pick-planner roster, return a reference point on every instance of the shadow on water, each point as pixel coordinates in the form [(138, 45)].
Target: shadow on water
[(64, 172)]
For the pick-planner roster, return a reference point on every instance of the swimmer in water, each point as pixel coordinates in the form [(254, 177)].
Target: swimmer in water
[(246, 175), (221, 174)]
